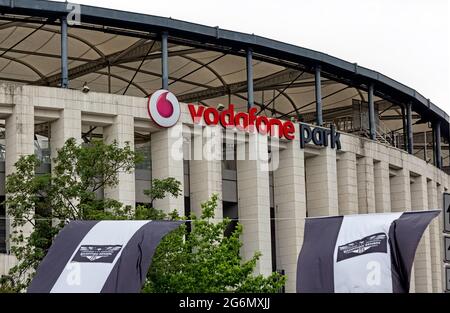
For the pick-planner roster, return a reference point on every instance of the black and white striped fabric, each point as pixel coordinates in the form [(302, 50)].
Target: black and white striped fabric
[(360, 253), (100, 256)]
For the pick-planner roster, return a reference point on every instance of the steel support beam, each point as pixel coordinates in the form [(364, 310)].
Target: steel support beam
[(409, 128), (318, 89), (269, 82), (397, 117), (165, 60), (282, 92), (437, 143), (136, 52), (64, 54), (109, 78), (372, 127), (250, 101), (108, 21), (404, 128), (311, 103)]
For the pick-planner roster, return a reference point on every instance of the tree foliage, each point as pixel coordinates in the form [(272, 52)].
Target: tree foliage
[(39, 205), (197, 260), (205, 260)]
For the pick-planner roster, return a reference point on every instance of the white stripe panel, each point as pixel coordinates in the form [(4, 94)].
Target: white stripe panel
[(90, 277), (369, 272)]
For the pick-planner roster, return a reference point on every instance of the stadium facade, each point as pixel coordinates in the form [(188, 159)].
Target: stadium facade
[(348, 140)]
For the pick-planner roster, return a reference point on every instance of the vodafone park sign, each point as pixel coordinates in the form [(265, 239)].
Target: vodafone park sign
[(164, 109), (243, 121)]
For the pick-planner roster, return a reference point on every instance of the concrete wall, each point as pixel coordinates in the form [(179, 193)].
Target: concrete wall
[(363, 177)]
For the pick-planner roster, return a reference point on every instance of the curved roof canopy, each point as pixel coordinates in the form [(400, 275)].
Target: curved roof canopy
[(119, 52)]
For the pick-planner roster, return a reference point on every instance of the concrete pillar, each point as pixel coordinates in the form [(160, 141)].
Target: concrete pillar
[(366, 185), (422, 268), (19, 132), (440, 203), (401, 202), (400, 191), (290, 209), (121, 131), (206, 173), (435, 239), (321, 180), (382, 187), (167, 161), (412, 282), (347, 183), (7, 261), (254, 203), (67, 126)]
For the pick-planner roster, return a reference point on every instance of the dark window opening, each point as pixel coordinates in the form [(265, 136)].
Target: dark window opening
[(187, 213), (273, 239), (230, 210), (2, 225), (43, 223)]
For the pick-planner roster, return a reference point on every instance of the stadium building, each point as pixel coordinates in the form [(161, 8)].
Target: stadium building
[(361, 142)]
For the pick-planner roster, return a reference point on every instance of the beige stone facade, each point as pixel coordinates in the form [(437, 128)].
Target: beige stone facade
[(363, 177)]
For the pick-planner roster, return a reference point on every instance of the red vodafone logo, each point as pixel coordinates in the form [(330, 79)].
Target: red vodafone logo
[(245, 121), (163, 108)]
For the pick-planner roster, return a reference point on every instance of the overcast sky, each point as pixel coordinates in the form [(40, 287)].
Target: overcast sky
[(407, 40)]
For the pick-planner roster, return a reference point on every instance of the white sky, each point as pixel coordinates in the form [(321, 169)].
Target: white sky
[(407, 40)]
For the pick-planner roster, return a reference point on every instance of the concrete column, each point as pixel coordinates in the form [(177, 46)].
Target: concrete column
[(412, 282), (382, 187), (67, 126), (401, 191), (167, 161), (401, 202), (347, 184), (206, 173), (321, 173), (7, 261), (290, 209), (366, 185), (422, 269), (440, 203), (121, 131), (19, 130), (254, 203), (435, 239)]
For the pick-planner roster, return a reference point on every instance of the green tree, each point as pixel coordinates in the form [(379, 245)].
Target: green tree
[(43, 203), (205, 260), (160, 188)]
